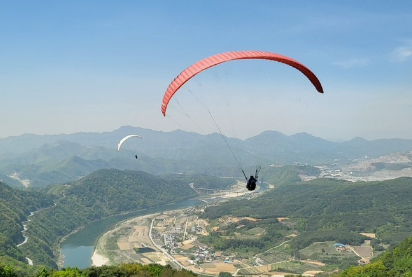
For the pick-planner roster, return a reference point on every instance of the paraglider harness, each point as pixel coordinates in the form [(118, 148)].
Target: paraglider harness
[(251, 182)]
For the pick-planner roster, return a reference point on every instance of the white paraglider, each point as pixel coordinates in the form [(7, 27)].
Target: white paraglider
[(124, 139)]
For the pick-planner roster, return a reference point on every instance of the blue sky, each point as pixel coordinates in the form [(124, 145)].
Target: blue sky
[(93, 66)]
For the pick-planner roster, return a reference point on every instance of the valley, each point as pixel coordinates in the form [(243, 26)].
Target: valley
[(174, 238), (292, 227), (385, 167)]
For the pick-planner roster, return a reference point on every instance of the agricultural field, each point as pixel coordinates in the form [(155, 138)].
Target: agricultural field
[(173, 238)]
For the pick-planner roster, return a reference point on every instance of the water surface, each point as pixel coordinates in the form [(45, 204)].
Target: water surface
[(78, 248)]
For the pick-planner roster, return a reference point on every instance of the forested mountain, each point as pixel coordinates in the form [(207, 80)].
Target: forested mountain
[(328, 209), (396, 262), (50, 159), (15, 207), (69, 206), (65, 161), (202, 181), (319, 210), (101, 194)]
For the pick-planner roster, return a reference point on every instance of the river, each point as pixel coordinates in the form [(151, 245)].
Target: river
[(78, 248)]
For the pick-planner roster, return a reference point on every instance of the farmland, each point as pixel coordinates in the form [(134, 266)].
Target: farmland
[(175, 238)]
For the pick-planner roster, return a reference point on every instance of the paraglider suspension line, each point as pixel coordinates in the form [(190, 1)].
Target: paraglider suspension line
[(187, 115), (244, 174), (221, 134), (224, 138)]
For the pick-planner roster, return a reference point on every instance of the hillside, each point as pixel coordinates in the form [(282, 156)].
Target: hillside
[(101, 194), (15, 207), (320, 210), (396, 262), (317, 210)]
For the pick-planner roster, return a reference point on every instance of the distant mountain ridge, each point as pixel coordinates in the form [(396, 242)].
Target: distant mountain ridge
[(48, 159)]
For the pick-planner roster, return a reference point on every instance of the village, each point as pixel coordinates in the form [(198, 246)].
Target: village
[(167, 238), (178, 235), (172, 238)]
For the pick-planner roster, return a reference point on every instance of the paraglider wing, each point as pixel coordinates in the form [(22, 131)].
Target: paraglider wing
[(124, 139), (204, 64)]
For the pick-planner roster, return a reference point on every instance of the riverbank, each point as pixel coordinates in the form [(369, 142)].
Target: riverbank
[(60, 256), (80, 247), (98, 259), (134, 234), (78, 232), (100, 256)]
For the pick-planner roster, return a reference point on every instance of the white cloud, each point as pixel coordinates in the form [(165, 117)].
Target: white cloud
[(401, 54), (353, 63)]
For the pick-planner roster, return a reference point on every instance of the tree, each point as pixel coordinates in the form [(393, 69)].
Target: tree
[(7, 271)]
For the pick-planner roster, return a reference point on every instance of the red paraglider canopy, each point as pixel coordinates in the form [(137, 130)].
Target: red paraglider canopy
[(204, 64)]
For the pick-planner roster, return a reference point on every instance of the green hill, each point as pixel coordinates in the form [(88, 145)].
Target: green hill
[(382, 207), (320, 210), (396, 262), (99, 195), (15, 207)]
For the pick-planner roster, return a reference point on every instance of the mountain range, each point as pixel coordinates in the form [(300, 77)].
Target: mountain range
[(41, 160)]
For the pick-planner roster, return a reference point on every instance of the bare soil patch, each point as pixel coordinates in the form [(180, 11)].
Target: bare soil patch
[(215, 268)]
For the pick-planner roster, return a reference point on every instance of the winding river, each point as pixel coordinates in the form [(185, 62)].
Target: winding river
[(78, 248), (23, 232)]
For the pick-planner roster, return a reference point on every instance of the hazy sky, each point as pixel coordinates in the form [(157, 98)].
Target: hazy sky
[(93, 66)]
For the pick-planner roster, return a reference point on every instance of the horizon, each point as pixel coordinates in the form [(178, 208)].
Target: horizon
[(214, 133), (70, 67)]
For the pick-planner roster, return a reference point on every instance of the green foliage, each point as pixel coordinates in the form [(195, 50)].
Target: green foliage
[(399, 260), (383, 207), (68, 272), (151, 270), (376, 269), (228, 239), (282, 175), (319, 210), (7, 271), (124, 270), (101, 194), (203, 181), (15, 207), (20, 268), (322, 210), (310, 237)]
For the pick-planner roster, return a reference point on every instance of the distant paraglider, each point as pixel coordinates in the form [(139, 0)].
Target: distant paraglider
[(126, 138)]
